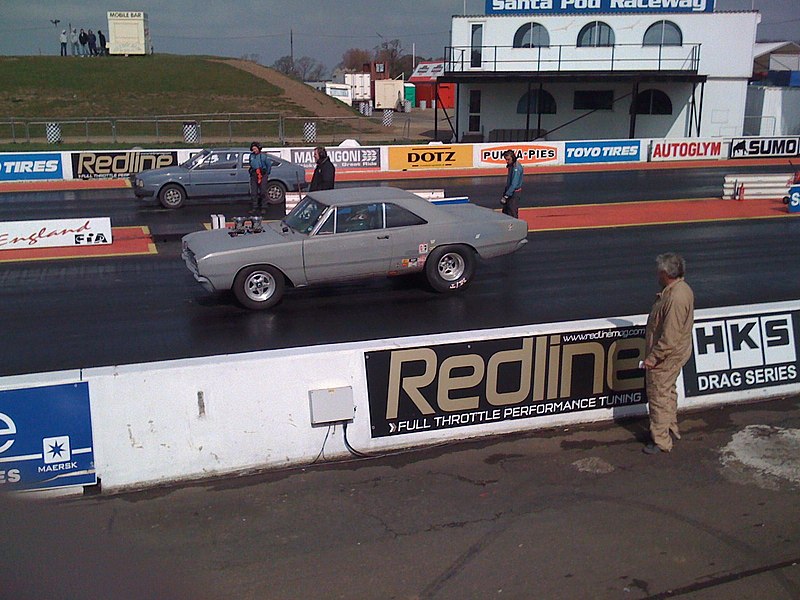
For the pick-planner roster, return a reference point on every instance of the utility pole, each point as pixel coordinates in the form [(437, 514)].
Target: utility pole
[(291, 49)]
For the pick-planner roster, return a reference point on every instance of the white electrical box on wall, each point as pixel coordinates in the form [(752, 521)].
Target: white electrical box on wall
[(332, 405)]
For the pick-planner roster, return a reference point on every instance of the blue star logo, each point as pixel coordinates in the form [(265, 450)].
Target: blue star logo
[(56, 449)]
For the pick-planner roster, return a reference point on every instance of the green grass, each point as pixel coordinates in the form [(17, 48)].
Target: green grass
[(49, 87)]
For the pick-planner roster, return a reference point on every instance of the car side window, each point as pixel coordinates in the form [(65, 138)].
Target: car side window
[(220, 160), (359, 217), (327, 226), (397, 216)]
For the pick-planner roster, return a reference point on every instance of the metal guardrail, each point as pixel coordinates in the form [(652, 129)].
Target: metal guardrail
[(566, 58), (219, 128)]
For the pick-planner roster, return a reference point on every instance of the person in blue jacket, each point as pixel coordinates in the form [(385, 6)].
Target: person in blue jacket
[(260, 168), (513, 189)]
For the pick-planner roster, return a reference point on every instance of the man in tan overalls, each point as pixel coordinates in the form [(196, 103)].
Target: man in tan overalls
[(668, 345)]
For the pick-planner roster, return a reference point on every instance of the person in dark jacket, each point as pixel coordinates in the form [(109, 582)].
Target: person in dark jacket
[(324, 173), (83, 39), (260, 168), (513, 189), (92, 43), (101, 43)]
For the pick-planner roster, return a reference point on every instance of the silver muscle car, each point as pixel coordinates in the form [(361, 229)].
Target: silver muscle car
[(347, 234)]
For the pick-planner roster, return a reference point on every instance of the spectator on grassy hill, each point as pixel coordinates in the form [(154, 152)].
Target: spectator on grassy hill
[(101, 47), (73, 38), (83, 39), (92, 43), (63, 39)]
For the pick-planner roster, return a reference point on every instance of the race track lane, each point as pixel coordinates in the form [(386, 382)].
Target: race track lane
[(92, 312)]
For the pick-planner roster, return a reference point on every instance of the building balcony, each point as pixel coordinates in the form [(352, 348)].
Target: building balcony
[(565, 60)]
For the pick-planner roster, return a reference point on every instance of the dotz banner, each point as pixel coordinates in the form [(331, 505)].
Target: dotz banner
[(46, 437), (110, 165), (765, 147), (743, 353), (436, 387), (407, 158), (555, 7)]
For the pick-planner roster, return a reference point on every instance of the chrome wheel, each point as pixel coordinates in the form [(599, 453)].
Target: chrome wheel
[(451, 266), (260, 286)]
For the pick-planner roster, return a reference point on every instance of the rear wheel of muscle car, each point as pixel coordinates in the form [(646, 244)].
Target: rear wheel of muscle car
[(450, 268), (172, 196), (259, 286)]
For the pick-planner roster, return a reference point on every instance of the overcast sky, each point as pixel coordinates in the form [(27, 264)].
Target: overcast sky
[(322, 29)]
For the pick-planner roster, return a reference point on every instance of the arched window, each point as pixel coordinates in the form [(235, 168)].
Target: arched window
[(536, 103), (532, 35), (652, 102), (596, 33), (663, 33)]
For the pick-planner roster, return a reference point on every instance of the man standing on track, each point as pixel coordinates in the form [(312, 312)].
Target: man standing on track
[(324, 172), (668, 345), (260, 168), (513, 189)]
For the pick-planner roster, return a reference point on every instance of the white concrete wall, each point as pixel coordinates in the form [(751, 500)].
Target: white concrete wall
[(151, 426)]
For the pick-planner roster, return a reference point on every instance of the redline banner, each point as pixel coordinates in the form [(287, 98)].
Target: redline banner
[(427, 388)]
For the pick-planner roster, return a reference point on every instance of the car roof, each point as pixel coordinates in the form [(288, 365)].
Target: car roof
[(365, 194), (362, 195)]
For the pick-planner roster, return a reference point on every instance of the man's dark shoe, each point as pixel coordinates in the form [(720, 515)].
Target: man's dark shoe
[(652, 449)]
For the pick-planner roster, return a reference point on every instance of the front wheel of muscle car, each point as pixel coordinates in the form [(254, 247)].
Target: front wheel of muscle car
[(450, 268), (259, 286)]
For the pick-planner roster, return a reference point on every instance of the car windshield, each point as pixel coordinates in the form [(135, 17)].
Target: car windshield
[(196, 159), (304, 216)]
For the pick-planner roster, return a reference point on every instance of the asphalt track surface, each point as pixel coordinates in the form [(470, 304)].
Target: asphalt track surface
[(569, 513)]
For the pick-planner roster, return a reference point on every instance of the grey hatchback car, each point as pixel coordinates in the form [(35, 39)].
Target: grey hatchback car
[(216, 172)]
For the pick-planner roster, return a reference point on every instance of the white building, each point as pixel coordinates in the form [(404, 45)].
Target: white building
[(533, 69), (128, 33)]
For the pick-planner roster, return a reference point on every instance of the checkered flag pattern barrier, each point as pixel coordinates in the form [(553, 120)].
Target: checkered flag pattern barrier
[(309, 132), (191, 132), (388, 117), (53, 132)]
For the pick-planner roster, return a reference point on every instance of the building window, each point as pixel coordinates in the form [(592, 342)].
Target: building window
[(596, 34), (652, 102), (531, 35), (663, 33), (537, 102), (593, 100), (476, 46), (474, 110)]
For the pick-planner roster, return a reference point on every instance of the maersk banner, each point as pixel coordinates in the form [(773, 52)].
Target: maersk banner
[(46, 437), (505, 7)]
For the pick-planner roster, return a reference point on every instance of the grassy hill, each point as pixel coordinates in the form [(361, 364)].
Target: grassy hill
[(49, 88)]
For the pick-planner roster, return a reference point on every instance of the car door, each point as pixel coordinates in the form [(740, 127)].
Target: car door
[(216, 175), (352, 243), (411, 239)]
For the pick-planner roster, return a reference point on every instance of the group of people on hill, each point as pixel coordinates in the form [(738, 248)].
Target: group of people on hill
[(83, 43)]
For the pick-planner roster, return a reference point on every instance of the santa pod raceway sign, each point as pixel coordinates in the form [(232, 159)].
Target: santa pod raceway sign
[(743, 353), (46, 438), (504, 7), (18, 235), (437, 387)]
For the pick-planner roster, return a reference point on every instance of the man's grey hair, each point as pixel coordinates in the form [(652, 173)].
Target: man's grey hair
[(672, 264)]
